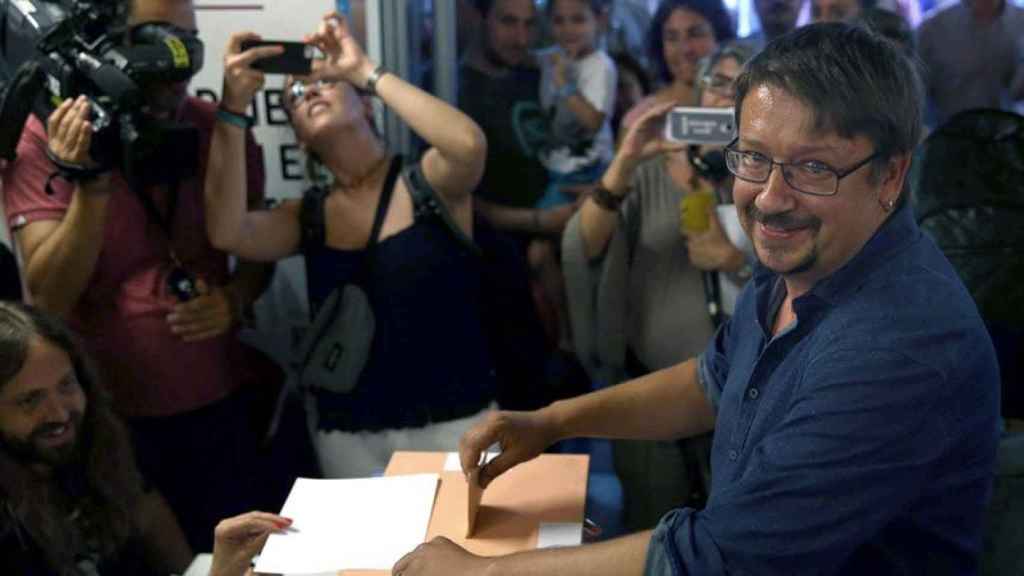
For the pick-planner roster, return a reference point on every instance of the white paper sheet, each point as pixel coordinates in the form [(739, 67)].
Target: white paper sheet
[(366, 524), (554, 534)]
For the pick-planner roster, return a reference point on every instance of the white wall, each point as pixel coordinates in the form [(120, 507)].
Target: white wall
[(283, 308)]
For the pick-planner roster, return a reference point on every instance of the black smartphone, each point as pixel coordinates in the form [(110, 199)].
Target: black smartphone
[(297, 58), (700, 125)]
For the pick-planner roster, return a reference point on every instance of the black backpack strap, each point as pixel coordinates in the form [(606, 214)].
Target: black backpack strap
[(385, 200), (311, 218), (425, 203), (311, 213)]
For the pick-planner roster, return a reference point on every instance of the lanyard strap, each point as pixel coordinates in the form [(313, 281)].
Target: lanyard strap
[(164, 221)]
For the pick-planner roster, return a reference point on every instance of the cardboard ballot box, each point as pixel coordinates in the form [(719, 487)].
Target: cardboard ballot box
[(536, 503)]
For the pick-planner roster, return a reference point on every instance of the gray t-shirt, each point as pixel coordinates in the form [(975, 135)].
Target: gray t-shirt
[(968, 64), (667, 319), (642, 292)]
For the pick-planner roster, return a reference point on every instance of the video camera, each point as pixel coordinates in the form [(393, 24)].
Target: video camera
[(51, 50)]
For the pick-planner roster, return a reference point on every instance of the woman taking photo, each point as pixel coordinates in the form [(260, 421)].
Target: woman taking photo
[(638, 295), (429, 371), (682, 33)]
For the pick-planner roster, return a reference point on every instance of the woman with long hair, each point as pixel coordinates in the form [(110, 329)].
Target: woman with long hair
[(682, 33)]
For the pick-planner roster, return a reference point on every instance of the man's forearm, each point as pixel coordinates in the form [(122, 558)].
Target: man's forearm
[(60, 262), (619, 557), (664, 405), (525, 220)]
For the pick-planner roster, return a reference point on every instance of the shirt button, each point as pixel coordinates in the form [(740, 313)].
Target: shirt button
[(733, 455), (753, 393)]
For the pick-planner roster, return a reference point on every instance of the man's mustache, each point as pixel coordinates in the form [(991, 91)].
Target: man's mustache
[(782, 220), (51, 427)]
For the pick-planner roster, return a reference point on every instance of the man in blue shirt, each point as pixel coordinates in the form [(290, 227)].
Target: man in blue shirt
[(854, 394)]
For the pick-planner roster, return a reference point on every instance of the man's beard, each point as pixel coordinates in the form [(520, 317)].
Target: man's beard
[(785, 221), (29, 452)]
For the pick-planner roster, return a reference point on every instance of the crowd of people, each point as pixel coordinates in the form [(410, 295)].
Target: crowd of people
[(793, 375)]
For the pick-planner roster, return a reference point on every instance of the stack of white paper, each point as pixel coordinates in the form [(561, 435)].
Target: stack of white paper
[(362, 524)]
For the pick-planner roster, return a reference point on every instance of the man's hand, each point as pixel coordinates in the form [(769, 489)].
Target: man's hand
[(70, 132), (439, 557), (522, 436), (711, 249), (208, 315), (236, 540)]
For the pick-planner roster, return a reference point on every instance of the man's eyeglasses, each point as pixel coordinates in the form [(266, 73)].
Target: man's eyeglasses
[(719, 84), (812, 177), (298, 91)]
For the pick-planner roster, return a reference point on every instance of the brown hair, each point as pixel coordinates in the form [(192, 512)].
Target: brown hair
[(85, 505)]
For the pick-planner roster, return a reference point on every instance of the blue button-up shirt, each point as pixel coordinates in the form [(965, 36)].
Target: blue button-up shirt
[(860, 440)]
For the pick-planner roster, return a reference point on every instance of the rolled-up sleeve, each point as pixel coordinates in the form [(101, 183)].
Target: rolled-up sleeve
[(713, 366), (664, 556)]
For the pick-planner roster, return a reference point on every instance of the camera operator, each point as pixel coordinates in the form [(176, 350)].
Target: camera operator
[(133, 272)]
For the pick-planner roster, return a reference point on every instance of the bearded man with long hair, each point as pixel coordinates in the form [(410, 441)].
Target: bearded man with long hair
[(71, 497)]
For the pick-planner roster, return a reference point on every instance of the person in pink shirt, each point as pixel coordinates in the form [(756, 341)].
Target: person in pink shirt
[(106, 258)]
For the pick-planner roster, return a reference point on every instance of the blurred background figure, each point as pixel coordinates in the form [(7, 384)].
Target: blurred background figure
[(973, 55), (634, 84), (776, 17), (682, 32), (835, 10)]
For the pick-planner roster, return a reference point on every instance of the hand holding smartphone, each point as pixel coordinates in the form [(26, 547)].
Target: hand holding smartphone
[(297, 58)]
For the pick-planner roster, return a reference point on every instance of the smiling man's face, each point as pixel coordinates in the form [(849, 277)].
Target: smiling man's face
[(41, 408)]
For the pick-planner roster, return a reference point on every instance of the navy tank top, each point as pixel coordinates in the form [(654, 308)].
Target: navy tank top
[(429, 360)]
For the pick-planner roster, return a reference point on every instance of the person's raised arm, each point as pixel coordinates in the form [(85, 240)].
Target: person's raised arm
[(258, 235), (458, 149), (60, 255), (663, 405), (644, 140)]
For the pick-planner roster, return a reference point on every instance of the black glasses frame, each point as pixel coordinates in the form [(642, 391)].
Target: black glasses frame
[(732, 152)]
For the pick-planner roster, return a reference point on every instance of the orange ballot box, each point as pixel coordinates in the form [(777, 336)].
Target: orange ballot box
[(536, 503)]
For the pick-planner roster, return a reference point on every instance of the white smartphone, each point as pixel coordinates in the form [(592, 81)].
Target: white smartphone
[(701, 125)]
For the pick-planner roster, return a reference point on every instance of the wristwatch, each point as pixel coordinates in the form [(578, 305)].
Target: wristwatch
[(374, 77)]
